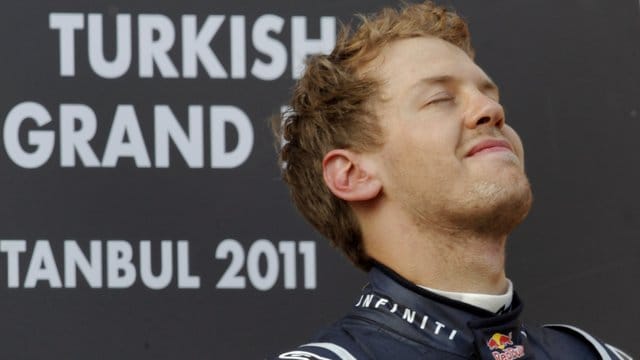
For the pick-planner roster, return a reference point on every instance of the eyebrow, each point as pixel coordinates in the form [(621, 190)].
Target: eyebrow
[(487, 84)]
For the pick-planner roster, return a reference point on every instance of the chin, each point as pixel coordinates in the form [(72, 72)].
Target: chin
[(496, 208), (504, 212)]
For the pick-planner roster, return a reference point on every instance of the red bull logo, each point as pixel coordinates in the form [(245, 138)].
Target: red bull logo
[(499, 341), (502, 347)]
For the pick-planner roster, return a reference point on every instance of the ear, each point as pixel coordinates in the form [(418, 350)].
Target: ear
[(349, 176)]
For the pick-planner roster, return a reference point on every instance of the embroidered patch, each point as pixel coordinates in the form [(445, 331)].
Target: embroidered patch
[(502, 347)]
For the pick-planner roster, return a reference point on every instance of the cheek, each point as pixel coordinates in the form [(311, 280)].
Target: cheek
[(421, 145), (408, 157)]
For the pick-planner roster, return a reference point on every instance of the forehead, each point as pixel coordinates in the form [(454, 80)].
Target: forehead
[(404, 63)]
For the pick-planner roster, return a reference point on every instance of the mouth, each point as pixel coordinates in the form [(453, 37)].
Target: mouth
[(491, 145)]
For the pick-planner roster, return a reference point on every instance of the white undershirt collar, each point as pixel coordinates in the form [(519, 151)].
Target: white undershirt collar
[(492, 303)]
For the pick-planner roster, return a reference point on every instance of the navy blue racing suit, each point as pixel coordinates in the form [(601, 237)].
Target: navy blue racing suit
[(396, 320)]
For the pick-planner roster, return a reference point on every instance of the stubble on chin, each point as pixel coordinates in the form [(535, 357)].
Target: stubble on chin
[(489, 207), (486, 209), (495, 208)]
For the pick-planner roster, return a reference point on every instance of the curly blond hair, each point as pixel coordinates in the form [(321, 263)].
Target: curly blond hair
[(329, 110)]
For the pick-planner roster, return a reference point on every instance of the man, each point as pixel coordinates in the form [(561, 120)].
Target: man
[(398, 151)]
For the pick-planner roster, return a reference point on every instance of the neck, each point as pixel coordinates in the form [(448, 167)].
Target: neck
[(440, 258)]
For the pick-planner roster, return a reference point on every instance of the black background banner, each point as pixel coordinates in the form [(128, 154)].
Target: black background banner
[(143, 216)]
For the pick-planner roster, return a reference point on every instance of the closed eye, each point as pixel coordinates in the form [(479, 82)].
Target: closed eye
[(435, 101), (440, 98)]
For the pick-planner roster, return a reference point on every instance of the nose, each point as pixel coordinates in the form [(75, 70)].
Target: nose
[(484, 110)]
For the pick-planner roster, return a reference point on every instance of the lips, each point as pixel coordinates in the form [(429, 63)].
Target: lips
[(490, 145)]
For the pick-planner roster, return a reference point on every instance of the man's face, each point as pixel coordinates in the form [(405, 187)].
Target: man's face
[(448, 157)]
